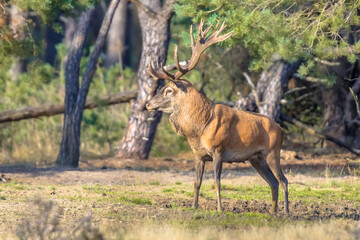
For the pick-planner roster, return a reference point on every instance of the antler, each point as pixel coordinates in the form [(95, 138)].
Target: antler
[(198, 48), (161, 73)]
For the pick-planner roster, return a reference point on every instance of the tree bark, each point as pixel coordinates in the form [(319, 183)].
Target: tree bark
[(17, 24), (155, 29), (69, 152), (338, 105), (116, 40), (351, 129), (269, 89), (70, 145), (70, 30), (54, 109)]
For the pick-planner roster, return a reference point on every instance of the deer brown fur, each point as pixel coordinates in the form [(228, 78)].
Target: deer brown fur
[(219, 133)]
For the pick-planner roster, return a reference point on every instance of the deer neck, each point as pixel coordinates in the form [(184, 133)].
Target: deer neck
[(192, 114)]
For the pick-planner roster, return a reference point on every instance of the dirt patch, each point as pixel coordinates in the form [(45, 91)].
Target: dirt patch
[(68, 188), (299, 210), (298, 162)]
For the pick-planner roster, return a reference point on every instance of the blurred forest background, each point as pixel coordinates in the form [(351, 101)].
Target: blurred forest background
[(308, 49)]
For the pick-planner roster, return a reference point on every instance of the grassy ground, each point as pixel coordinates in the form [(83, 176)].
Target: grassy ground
[(129, 204)]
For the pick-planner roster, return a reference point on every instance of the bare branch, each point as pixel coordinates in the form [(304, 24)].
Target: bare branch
[(168, 9), (310, 79), (325, 62), (214, 10), (298, 89), (55, 109), (314, 132), (298, 99), (145, 8), (356, 101), (253, 90)]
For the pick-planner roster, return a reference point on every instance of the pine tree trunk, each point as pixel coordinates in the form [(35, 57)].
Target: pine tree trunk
[(116, 38), (70, 30), (351, 133), (270, 88), (70, 144), (341, 120), (333, 111), (155, 28), (69, 148), (17, 24)]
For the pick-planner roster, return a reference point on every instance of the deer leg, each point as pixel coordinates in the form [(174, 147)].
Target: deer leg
[(199, 171), (217, 177), (265, 172), (273, 160)]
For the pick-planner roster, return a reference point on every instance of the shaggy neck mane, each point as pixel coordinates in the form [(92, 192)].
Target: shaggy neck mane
[(192, 113)]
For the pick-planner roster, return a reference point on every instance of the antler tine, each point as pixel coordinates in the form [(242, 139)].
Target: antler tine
[(224, 37), (201, 44), (176, 58), (200, 29), (192, 37), (223, 26), (169, 77), (214, 36), (161, 73), (151, 70), (207, 29)]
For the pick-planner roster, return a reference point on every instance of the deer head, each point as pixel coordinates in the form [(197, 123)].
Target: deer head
[(166, 98)]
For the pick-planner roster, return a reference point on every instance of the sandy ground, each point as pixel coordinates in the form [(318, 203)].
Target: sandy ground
[(300, 168)]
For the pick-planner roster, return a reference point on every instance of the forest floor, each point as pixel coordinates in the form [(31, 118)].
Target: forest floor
[(137, 199)]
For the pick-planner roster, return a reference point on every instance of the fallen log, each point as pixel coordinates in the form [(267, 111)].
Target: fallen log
[(54, 109), (314, 132)]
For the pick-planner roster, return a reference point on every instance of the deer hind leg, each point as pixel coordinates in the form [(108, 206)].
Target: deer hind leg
[(265, 172), (199, 171), (273, 160), (217, 177)]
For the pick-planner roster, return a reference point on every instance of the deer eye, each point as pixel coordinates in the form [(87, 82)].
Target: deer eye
[(168, 91)]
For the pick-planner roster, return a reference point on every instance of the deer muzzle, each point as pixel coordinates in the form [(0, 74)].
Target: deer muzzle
[(151, 107)]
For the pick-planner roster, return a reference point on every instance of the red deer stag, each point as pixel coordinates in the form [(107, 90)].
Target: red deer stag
[(217, 132)]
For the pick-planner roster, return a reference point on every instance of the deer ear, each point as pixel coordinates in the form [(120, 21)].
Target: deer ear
[(181, 86)]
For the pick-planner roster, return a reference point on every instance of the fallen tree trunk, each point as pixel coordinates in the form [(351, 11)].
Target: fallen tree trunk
[(54, 109), (312, 131)]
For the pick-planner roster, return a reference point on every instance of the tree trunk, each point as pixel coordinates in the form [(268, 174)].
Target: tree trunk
[(70, 30), (351, 131), (69, 152), (116, 39), (352, 119), (270, 89), (17, 24), (333, 111), (341, 119), (70, 145), (155, 28)]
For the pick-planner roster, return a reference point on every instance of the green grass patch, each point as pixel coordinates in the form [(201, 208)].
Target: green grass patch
[(135, 200), (155, 183), (202, 218)]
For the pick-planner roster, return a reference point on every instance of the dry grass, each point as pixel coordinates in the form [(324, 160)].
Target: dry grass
[(129, 204), (329, 231)]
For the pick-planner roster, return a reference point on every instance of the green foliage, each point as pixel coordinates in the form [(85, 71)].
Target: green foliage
[(43, 84), (289, 30), (48, 10)]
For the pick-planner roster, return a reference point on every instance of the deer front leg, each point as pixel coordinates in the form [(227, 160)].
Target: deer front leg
[(217, 177), (199, 171)]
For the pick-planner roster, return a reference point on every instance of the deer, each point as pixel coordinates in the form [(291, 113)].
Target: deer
[(217, 132)]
